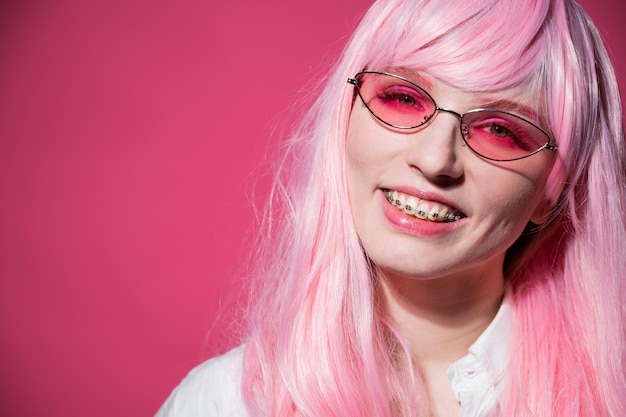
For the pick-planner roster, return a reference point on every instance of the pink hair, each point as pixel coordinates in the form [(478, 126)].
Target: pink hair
[(318, 344)]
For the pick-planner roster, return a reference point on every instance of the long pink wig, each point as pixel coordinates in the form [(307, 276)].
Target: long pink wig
[(318, 344)]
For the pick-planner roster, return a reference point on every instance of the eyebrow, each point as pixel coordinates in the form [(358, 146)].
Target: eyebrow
[(411, 75), (514, 107)]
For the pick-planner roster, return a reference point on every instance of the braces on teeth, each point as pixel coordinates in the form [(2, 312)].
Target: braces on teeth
[(436, 214)]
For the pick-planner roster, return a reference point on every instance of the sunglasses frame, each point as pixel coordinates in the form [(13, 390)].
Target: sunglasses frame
[(356, 82)]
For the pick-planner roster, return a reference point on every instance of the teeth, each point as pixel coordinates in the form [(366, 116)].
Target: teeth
[(409, 205), (399, 200), (442, 212), (420, 209), (434, 213)]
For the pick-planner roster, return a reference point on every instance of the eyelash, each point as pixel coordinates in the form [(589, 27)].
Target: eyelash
[(394, 94), (512, 132)]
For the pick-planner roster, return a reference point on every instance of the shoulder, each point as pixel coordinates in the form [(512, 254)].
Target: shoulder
[(211, 389)]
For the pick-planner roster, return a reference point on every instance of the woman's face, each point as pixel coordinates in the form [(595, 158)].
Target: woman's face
[(485, 205)]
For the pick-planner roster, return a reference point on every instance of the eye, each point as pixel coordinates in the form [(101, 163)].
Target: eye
[(395, 101), (406, 100), (502, 133), (402, 97)]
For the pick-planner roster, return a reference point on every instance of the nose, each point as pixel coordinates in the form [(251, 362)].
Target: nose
[(434, 149)]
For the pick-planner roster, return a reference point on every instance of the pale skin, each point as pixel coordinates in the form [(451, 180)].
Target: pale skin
[(440, 323), (442, 287)]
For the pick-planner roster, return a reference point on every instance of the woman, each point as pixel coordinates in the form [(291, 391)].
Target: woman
[(450, 234)]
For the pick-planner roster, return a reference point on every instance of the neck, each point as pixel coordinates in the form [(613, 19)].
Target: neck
[(441, 318)]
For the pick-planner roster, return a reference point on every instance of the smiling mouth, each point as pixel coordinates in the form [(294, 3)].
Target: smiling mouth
[(422, 209)]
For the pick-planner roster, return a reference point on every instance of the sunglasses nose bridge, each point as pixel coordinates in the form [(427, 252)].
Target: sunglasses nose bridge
[(464, 127), (437, 109), (443, 109)]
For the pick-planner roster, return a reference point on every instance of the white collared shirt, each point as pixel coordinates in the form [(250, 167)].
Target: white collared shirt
[(476, 378), (213, 388)]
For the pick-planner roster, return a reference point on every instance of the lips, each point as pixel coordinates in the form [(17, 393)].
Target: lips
[(423, 209)]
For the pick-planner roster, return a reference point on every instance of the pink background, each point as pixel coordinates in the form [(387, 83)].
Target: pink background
[(133, 137)]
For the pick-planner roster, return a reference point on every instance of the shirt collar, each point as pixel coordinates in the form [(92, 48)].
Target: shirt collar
[(475, 378), (492, 346)]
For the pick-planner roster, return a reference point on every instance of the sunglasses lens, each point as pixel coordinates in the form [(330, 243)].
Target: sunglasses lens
[(501, 136), (395, 101), (493, 134)]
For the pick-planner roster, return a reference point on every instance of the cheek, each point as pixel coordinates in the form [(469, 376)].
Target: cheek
[(358, 157), (510, 201), (367, 160), (359, 144), (369, 148), (515, 188)]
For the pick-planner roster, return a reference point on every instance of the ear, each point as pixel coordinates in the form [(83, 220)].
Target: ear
[(542, 212)]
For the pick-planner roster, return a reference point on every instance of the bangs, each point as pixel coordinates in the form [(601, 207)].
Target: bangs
[(482, 45)]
